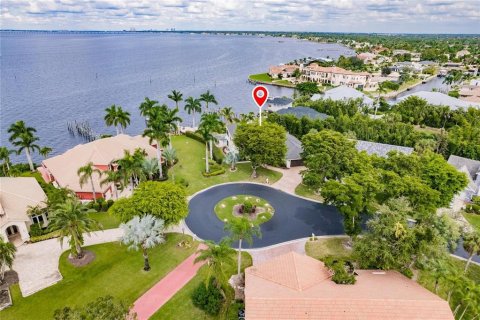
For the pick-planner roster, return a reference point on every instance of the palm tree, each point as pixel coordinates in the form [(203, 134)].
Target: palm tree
[(228, 114), (45, 151), (113, 178), (143, 233), (170, 155), (217, 258), (72, 220), (207, 97), (157, 130), (231, 158), (171, 120), (176, 96), (85, 174), (117, 117), (23, 137), (123, 119), (381, 89), (150, 166), (192, 106), (441, 270), (471, 244), (131, 167), (242, 229), (5, 157), (7, 255), (212, 122), (146, 107), (206, 135)]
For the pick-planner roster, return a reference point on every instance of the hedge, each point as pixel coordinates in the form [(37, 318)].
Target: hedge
[(51, 235)]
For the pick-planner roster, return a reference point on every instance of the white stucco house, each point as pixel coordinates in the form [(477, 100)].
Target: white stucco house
[(17, 195), (471, 168)]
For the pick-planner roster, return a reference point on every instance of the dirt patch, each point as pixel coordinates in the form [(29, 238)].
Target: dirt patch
[(11, 277), (88, 257)]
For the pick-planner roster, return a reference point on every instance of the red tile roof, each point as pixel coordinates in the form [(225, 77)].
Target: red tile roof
[(293, 286)]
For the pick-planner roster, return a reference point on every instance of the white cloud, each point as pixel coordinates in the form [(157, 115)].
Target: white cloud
[(454, 16)]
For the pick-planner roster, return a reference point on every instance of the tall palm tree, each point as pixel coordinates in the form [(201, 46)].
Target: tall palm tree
[(131, 167), (207, 97), (170, 155), (157, 130), (217, 258), (212, 122), (381, 89), (471, 244), (117, 117), (228, 114), (242, 229), (171, 120), (176, 96), (7, 255), (113, 178), (45, 151), (146, 107), (5, 157), (123, 119), (207, 136), (192, 106), (72, 220), (143, 233), (85, 174), (24, 138)]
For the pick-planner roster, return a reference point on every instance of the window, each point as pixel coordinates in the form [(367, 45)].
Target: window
[(37, 219)]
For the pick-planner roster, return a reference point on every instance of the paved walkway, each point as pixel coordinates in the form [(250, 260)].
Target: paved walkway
[(160, 293), (290, 180), (37, 263)]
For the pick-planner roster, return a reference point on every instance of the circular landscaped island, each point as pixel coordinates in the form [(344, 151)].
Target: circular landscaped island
[(256, 209)]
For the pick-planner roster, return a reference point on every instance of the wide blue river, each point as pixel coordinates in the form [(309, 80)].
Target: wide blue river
[(49, 79)]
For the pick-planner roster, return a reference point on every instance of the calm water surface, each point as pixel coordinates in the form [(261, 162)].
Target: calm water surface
[(49, 79)]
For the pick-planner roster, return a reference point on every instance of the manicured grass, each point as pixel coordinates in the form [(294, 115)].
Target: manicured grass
[(304, 191), (191, 163), (180, 306), (224, 209), (115, 271), (322, 248), (261, 77), (108, 221), (473, 219)]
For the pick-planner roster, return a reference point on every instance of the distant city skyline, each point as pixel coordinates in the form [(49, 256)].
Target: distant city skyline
[(378, 16)]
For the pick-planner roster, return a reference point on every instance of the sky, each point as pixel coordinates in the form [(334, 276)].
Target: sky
[(383, 16)]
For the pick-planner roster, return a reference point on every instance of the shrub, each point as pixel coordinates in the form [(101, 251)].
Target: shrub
[(407, 272), (248, 207), (208, 298), (343, 272), (473, 208), (215, 169), (51, 235), (390, 85), (182, 181), (110, 203), (35, 230)]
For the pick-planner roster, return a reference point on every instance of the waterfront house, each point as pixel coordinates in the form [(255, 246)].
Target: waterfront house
[(282, 71), (380, 149), (343, 93), (17, 196), (300, 112), (278, 103), (367, 57), (61, 170), (295, 286), (471, 168), (441, 99), (336, 76)]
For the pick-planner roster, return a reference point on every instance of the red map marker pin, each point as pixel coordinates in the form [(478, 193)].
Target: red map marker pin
[(260, 95)]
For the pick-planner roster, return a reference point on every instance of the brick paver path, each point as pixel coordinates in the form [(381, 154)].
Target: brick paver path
[(160, 293)]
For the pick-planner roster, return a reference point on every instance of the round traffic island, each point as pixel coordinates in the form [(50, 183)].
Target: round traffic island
[(256, 209)]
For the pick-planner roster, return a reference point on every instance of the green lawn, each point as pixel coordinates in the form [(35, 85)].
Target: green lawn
[(265, 77), (180, 306), (116, 271), (304, 191), (108, 221), (323, 248), (224, 208), (191, 163), (473, 219)]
